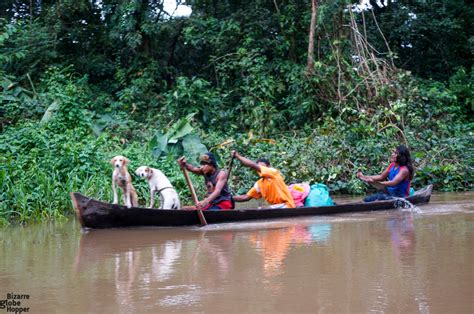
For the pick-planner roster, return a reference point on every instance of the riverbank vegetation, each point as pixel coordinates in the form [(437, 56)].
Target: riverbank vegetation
[(321, 88)]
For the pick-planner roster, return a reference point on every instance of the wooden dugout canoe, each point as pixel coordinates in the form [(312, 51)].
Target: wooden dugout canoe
[(96, 214)]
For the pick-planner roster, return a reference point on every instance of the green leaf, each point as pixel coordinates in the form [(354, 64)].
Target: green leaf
[(180, 129), (158, 144), (97, 129), (49, 113), (192, 146)]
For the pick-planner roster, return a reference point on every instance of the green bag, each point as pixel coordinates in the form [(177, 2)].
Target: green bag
[(318, 196)]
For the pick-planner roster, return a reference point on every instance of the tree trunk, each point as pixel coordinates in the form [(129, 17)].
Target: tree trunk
[(173, 44), (145, 46), (312, 30)]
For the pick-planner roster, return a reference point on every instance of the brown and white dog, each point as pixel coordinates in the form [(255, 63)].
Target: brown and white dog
[(122, 178), (158, 182)]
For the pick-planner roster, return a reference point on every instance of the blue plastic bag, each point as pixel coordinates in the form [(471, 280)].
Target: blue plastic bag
[(318, 196)]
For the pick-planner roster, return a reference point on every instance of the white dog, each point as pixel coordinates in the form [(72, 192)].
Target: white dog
[(158, 182), (122, 178)]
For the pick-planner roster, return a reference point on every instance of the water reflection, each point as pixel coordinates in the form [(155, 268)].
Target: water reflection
[(136, 263), (382, 262), (126, 273), (99, 245), (213, 251), (129, 249), (402, 235), (144, 259), (320, 233), (274, 245), (147, 260), (403, 239), (137, 271), (163, 261)]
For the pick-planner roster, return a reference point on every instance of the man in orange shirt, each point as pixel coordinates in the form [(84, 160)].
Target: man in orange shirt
[(271, 185)]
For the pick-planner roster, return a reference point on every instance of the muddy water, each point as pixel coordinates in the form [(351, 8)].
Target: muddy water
[(416, 261)]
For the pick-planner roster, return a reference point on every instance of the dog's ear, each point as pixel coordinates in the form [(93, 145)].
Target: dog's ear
[(112, 161), (126, 160), (147, 169)]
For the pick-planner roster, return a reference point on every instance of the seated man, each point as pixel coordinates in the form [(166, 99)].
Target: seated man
[(271, 185), (218, 193)]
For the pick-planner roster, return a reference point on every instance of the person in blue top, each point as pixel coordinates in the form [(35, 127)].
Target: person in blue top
[(395, 180)]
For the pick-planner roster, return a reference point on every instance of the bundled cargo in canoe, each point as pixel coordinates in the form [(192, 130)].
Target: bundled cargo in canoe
[(96, 214)]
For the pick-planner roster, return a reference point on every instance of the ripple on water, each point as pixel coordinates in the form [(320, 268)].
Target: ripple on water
[(180, 296)]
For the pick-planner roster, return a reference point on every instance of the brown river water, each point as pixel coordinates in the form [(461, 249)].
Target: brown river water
[(398, 261)]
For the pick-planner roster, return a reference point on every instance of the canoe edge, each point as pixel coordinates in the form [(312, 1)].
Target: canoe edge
[(77, 209)]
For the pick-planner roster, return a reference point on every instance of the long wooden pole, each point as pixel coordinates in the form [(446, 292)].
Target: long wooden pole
[(200, 214), (229, 168)]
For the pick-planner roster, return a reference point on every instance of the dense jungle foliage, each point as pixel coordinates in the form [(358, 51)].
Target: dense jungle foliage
[(322, 88)]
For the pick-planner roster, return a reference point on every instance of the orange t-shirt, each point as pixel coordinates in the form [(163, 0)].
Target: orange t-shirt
[(272, 187)]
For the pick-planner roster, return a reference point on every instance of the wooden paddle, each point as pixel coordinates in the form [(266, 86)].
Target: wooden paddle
[(229, 167), (202, 219)]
